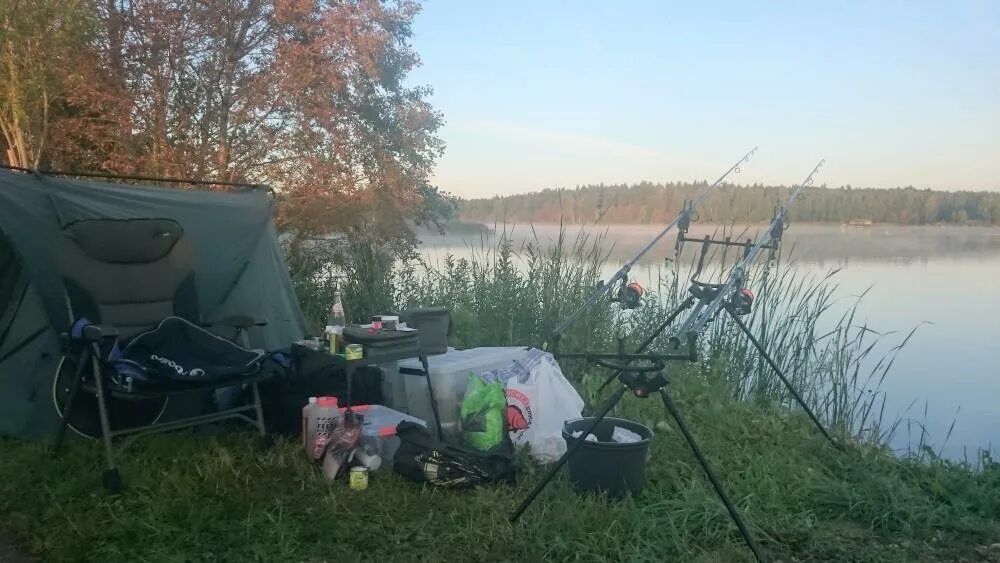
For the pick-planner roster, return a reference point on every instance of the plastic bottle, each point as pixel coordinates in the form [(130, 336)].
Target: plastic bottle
[(336, 317), (322, 422), (335, 337), (305, 420)]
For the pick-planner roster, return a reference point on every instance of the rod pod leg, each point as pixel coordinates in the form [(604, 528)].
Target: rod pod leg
[(668, 402), (777, 371), (610, 404)]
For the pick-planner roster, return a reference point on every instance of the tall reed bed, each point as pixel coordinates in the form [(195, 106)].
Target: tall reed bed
[(502, 293)]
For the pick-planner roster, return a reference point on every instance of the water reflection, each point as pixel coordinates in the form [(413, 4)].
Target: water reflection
[(820, 244)]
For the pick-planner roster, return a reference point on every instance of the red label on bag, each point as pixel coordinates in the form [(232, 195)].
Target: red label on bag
[(519, 415)]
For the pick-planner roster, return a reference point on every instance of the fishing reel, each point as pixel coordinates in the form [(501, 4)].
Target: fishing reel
[(629, 295), (740, 302)]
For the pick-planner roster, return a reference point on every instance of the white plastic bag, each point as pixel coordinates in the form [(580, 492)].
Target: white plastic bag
[(539, 401)]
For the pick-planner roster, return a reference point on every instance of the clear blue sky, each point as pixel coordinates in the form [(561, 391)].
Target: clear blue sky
[(541, 94)]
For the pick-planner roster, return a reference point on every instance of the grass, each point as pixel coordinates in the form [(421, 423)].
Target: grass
[(195, 497), (200, 497)]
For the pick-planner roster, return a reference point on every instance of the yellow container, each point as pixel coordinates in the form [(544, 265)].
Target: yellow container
[(354, 351), (359, 478)]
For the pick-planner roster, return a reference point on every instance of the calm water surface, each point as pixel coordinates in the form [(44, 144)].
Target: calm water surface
[(945, 279)]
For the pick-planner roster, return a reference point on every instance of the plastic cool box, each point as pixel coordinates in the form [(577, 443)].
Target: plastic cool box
[(378, 427)]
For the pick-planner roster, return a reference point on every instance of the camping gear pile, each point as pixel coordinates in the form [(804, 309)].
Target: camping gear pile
[(352, 442), (131, 309), (523, 404)]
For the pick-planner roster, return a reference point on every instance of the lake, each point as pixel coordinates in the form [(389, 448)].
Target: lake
[(945, 279)]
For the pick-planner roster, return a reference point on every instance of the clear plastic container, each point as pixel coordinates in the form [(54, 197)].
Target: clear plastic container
[(393, 386), (378, 430), (449, 377)]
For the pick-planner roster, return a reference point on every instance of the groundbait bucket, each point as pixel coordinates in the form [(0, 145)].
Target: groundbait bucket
[(607, 466)]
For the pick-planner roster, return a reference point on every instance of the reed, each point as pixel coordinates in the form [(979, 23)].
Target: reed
[(502, 293)]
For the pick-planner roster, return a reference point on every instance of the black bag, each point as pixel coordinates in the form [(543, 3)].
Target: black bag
[(426, 460), (383, 343), (179, 351), (314, 373)]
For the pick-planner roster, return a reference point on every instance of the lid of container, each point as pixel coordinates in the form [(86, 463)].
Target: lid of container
[(327, 402), (425, 311), (355, 408), (359, 469), (470, 359)]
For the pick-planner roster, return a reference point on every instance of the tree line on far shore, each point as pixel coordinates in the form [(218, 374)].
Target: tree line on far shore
[(648, 202)]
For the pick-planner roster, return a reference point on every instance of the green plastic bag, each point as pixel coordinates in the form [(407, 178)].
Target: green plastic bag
[(483, 414)]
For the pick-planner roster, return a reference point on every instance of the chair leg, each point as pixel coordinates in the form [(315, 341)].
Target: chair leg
[(259, 409), (67, 407), (112, 478)]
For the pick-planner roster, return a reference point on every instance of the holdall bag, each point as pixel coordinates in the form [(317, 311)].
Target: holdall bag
[(426, 460)]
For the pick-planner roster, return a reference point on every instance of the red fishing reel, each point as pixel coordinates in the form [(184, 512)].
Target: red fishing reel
[(741, 302), (629, 296)]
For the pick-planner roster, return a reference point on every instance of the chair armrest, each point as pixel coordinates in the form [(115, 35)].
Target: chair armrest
[(94, 333), (238, 321)]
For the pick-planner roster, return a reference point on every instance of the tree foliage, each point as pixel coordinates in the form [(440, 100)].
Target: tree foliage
[(309, 96), (658, 203), (46, 90)]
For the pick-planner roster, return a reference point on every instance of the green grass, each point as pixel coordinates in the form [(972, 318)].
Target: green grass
[(194, 497)]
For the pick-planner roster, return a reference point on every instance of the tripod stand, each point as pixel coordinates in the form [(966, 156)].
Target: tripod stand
[(649, 378)]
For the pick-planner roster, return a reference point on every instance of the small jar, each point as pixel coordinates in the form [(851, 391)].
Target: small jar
[(359, 478), (354, 352)]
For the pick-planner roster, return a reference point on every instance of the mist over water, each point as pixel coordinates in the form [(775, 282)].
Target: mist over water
[(944, 279)]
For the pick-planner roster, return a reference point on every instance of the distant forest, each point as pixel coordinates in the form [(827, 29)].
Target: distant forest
[(655, 203)]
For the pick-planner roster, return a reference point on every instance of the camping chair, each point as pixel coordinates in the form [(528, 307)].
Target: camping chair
[(130, 289)]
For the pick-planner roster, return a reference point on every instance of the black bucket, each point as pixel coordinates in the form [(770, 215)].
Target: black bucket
[(607, 466)]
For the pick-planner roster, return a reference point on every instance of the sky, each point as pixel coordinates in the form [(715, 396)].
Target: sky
[(544, 94)]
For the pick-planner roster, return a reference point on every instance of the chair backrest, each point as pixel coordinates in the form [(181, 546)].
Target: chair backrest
[(128, 273)]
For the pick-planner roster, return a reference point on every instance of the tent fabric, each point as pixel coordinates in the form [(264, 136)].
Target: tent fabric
[(239, 269)]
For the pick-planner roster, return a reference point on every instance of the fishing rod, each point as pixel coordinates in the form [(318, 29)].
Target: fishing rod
[(683, 217), (705, 312), (706, 300)]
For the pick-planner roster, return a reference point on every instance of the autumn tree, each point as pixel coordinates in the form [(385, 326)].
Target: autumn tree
[(49, 91), (308, 96)]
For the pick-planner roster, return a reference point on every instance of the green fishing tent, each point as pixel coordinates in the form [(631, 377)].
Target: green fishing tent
[(239, 269)]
